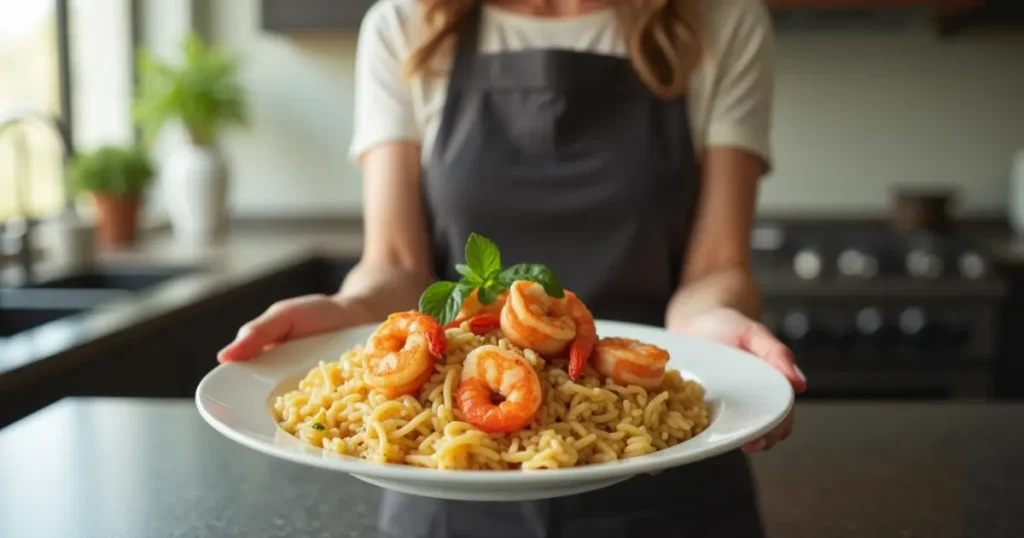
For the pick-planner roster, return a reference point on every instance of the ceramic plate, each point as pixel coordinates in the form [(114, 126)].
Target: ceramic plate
[(747, 398)]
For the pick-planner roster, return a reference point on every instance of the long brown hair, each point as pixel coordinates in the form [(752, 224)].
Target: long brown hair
[(662, 38)]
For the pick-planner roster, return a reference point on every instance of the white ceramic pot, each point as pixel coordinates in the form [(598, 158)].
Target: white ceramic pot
[(195, 179), (1016, 209)]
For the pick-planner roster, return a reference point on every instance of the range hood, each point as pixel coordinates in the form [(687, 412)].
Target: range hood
[(987, 14), (948, 17)]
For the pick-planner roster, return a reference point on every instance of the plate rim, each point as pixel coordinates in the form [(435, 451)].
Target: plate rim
[(453, 477)]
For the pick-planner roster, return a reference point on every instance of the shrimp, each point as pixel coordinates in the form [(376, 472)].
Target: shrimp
[(482, 318), (631, 362), (488, 370), (533, 319), (400, 354)]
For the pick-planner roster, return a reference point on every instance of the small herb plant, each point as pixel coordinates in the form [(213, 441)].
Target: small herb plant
[(204, 92), (482, 272), (111, 170)]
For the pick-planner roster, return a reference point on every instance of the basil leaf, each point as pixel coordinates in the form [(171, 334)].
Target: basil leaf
[(482, 257), (434, 299), (472, 280), (454, 303), (487, 295), (466, 272), (319, 427), (533, 273)]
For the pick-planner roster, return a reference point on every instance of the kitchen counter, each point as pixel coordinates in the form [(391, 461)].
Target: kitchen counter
[(129, 468), (242, 258)]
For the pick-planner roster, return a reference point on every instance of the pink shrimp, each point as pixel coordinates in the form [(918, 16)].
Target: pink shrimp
[(533, 319), (490, 370), (400, 354), (482, 318), (631, 362)]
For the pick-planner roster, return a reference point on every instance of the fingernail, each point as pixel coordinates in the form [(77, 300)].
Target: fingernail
[(800, 373), (760, 445)]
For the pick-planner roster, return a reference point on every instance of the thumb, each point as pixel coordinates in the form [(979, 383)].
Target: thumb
[(292, 318), (270, 328)]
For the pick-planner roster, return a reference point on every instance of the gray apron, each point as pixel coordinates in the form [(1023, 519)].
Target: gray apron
[(564, 158)]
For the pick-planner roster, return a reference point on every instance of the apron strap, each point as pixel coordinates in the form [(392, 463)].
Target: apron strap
[(466, 49)]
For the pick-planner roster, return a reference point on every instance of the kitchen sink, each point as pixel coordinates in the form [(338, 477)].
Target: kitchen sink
[(27, 307), (14, 320), (22, 309), (131, 280)]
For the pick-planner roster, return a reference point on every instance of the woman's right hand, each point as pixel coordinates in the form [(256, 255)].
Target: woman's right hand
[(294, 318)]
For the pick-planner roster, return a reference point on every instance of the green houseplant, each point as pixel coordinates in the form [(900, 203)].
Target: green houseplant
[(203, 93), (117, 178)]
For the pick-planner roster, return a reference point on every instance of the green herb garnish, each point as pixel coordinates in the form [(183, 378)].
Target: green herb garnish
[(482, 272), (318, 427)]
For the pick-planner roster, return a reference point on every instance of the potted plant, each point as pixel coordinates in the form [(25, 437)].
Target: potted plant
[(116, 178), (204, 95)]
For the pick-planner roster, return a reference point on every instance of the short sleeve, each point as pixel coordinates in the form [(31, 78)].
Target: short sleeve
[(383, 104), (741, 107)]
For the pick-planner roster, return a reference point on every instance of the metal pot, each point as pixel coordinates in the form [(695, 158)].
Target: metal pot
[(917, 209)]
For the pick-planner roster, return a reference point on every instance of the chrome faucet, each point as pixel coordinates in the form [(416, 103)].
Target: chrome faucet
[(19, 231)]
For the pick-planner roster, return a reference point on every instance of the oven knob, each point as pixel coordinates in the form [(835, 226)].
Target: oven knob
[(913, 321), (854, 263), (918, 330), (807, 264), (923, 264), (972, 265), (796, 325), (798, 332), (869, 321), (873, 333)]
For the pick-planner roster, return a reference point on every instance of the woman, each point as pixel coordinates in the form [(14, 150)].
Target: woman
[(619, 143)]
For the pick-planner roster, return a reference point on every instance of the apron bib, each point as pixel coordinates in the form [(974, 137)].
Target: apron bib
[(566, 159)]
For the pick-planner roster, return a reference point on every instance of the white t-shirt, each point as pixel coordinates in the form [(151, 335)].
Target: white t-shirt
[(729, 99)]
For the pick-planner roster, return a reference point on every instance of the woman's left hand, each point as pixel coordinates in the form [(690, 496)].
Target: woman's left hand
[(732, 328)]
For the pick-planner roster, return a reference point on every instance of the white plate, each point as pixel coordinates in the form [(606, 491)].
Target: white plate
[(747, 398)]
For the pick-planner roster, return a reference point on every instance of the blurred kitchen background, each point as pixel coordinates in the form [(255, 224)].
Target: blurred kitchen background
[(886, 246)]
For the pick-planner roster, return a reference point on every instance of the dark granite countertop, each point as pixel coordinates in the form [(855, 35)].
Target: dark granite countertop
[(108, 468), (245, 256)]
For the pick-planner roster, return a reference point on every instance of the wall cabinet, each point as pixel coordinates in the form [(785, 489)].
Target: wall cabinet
[(310, 16), (871, 4)]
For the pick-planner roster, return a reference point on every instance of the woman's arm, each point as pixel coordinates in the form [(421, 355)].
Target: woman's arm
[(393, 271), (396, 263), (717, 269), (718, 297)]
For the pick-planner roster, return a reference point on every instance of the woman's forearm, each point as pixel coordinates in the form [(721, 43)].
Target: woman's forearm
[(380, 289), (727, 288)]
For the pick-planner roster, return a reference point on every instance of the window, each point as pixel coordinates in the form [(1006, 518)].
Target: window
[(30, 76), (97, 79)]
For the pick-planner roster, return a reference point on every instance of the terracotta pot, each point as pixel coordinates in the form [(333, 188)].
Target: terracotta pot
[(116, 218)]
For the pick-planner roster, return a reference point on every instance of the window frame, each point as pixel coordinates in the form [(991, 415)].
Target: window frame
[(65, 82)]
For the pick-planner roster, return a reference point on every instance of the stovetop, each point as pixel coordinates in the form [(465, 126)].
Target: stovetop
[(863, 254), (862, 305)]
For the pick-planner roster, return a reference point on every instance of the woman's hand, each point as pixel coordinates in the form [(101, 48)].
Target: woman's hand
[(293, 318), (732, 328)]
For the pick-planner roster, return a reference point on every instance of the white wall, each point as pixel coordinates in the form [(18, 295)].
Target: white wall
[(855, 113), (293, 161)]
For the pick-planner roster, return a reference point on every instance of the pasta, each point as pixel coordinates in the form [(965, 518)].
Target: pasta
[(588, 421)]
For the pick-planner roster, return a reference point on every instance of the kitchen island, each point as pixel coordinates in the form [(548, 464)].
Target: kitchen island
[(137, 468)]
